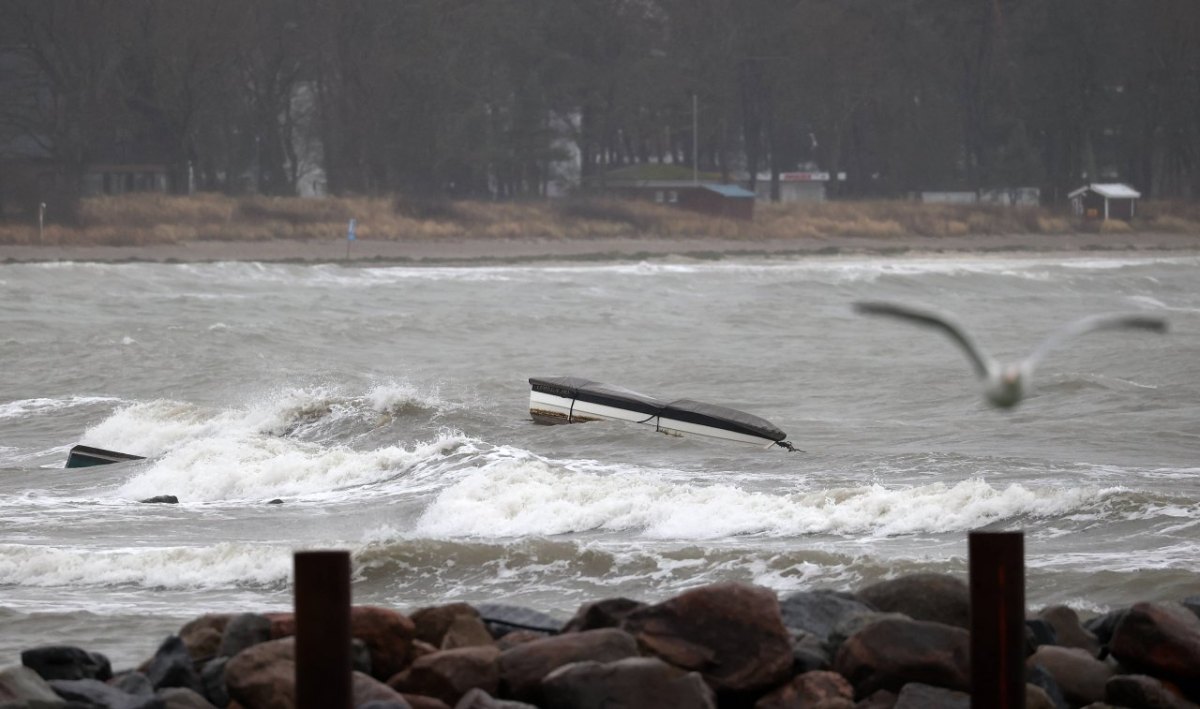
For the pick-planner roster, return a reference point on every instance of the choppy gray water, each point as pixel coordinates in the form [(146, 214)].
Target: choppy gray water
[(388, 408)]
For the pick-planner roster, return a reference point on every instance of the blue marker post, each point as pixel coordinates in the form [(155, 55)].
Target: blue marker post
[(350, 235)]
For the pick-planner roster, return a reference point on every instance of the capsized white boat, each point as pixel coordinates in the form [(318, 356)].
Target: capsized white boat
[(554, 400)]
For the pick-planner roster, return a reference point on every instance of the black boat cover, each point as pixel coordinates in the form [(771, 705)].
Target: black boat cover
[(696, 412)]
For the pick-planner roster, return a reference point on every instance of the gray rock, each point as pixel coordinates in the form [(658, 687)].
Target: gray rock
[(103, 695), (242, 631), (23, 683), (939, 598), (212, 681), (607, 613), (819, 612), (172, 666), (1142, 691), (182, 698), (631, 682), (893, 653), (66, 662), (1076, 671), (851, 624), (134, 683), (809, 652), (502, 619), (1037, 675), (523, 667), (161, 500), (360, 656), (1068, 630), (1040, 633), (915, 695), (1102, 626)]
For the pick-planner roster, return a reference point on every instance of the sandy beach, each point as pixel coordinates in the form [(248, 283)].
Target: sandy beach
[(468, 250)]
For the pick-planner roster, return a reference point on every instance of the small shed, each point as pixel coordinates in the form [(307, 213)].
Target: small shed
[(1104, 201), (719, 200)]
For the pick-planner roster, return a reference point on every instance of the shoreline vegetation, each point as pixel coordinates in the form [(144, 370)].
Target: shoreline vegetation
[(903, 643), (201, 227)]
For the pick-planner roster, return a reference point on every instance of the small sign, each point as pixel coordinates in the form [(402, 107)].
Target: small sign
[(350, 230)]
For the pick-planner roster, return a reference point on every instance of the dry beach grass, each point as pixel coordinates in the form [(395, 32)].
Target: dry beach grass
[(155, 227)]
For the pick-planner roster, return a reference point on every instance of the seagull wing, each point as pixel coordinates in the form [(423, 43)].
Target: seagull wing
[(982, 362), (1092, 323)]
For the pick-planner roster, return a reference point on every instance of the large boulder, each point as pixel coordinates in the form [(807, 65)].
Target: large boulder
[(202, 635), (819, 612), (19, 683), (1102, 626), (523, 667), (1068, 630), (939, 598), (732, 633), (172, 666), (242, 631), (263, 676), (891, 653), (467, 631), (502, 619), (631, 682), (212, 679), (181, 698), (66, 662), (450, 674), (811, 690), (1079, 675), (1143, 691), (389, 636), (915, 695), (430, 624), (606, 613), (365, 688), (1161, 640)]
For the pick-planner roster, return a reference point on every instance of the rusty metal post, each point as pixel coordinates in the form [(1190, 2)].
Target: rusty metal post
[(322, 597), (997, 563)]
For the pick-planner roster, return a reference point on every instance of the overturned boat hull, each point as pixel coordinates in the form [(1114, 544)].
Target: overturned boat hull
[(82, 456), (557, 400)]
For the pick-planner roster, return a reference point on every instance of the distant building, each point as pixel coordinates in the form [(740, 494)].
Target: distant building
[(1098, 202), (665, 184), (807, 186), (112, 179)]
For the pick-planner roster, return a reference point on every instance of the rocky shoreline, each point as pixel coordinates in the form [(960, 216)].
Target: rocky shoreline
[(897, 644)]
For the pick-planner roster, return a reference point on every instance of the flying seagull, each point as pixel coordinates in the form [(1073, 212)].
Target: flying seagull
[(1005, 384)]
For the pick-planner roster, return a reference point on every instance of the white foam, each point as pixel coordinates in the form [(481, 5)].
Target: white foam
[(522, 496), (37, 407), (254, 468), (253, 453), (217, 566)]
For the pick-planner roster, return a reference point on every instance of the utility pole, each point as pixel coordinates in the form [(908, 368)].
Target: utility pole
[(695, 141)]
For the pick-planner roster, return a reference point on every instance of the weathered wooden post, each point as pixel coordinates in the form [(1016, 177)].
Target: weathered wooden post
[(322, 598), (997, 565)]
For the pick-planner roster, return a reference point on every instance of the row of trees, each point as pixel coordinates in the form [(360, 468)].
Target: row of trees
[(490, 97)]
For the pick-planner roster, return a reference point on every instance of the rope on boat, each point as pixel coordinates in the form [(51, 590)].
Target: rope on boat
[(790, 448)]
